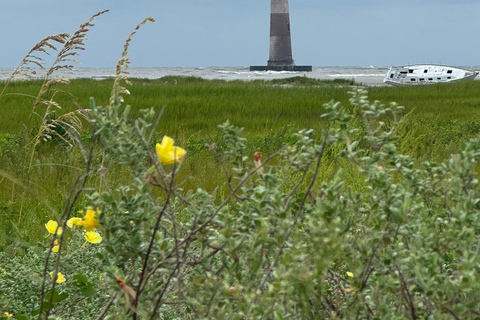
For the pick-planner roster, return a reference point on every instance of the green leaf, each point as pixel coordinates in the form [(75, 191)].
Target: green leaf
[(81, 279), (48, 295), (45, 305), (164, 245), (151, 170), (60, 297), (228, 233), (56, 297), (36, 312), (89, 291)]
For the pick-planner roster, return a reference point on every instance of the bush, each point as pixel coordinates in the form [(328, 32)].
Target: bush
[(283, 243)]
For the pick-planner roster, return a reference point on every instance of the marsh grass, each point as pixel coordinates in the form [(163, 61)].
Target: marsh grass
[(195, 105), (271, 113), (53, 165), (441, 118)]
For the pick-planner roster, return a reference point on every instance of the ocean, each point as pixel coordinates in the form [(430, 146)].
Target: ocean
[(370, 75)]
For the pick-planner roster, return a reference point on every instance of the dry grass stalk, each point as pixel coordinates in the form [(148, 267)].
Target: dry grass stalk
[(121, 73), (66, 128), (66, 55), (69, 125), (33, 59), (42, 47)]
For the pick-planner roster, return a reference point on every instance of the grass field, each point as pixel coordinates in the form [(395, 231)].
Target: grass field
[(195, 106), (36, 180), (440, 119)]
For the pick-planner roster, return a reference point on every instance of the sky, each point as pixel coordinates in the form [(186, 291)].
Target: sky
[(203, 33)]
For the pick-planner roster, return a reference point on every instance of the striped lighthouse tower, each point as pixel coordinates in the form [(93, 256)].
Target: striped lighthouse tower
[(280, 39), (280, 58)]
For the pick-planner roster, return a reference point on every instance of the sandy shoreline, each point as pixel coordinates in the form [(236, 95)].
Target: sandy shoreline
[(370, 81)]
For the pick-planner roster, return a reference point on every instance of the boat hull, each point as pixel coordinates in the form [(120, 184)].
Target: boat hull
[(414, 75)]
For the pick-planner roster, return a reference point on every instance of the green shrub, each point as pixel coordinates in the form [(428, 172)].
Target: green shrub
[(287, 240)]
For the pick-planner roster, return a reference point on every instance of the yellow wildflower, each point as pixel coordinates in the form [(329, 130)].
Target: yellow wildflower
[(89, 222), (9, 315), (55, 246), (75, 221), (60, 277), (93, 237), (350, 274), (52, 227), (167, 153)]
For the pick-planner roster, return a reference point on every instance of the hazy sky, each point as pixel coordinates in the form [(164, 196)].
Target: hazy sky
[(200, 33)]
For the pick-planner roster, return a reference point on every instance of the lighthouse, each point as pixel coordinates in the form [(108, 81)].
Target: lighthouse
[(280, 57)]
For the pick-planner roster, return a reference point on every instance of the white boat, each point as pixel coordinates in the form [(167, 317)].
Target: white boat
[(426, 74)]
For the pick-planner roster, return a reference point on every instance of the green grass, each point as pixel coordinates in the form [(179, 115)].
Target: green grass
[(195, 106), (441, 118), (192, 104), (459, 101)]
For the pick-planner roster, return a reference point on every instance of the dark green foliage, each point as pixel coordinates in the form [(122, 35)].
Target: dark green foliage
[(372, 213)]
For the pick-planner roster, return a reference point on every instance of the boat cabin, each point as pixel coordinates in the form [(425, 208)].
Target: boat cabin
[(425, 74)]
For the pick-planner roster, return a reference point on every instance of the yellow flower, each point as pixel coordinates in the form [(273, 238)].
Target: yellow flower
[(93, 237), (52, 227), (75, 221), (9, 315), (89, 222), (55, 246), (60, 277), (167, 153), (350, 274)]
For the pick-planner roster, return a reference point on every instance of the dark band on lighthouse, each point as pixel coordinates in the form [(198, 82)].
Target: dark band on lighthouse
[(280, 57)]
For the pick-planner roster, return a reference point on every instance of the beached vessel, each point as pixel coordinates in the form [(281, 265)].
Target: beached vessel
[(426, 74)]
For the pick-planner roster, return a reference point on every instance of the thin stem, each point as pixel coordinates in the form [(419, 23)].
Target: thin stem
[(74, 195), (157, 304), (295, 221), (106, 308)]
